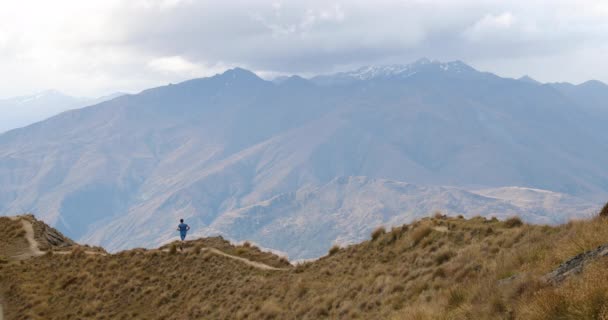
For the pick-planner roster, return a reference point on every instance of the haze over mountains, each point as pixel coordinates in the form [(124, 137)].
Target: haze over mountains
[(322, 160), (21, 111)]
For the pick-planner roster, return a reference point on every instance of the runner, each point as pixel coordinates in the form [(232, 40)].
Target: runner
[(183, 230)]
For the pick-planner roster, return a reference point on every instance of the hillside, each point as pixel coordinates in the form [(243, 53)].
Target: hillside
[(435, 268), (23, 237), (118, 173)]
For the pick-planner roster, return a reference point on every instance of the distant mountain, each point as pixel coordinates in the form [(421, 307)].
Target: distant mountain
[(593, 95), (395, 72), (528, 79), (24, 110), (212, 150), (347, 209)]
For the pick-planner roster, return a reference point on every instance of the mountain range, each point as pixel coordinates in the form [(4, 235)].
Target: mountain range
[(315, 161)]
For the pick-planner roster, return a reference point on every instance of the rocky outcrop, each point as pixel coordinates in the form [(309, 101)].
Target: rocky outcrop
[(48, 237), (575, 265)]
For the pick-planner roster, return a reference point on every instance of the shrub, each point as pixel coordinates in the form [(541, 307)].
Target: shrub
[(334, 249), (513, 222), (377, 233), (77, 251), (439, 273), (173, 249), (444, 257), (456, 297), (489, 231), (604, 211), (420, 233)]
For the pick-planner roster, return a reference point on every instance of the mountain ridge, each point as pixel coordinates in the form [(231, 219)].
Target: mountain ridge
[(207, 147)]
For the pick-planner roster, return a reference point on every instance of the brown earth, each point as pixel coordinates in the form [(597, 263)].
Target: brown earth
[(436, 268)]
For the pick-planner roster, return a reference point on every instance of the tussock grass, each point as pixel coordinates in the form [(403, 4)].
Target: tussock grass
[(378, 232), (420, 233), (435, 268), (604, 212), (333, 250), (513, 222)]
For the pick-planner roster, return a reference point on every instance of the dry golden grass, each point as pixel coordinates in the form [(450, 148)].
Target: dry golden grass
[(12, 238), (246, 250), (436, 268), (378, 232)]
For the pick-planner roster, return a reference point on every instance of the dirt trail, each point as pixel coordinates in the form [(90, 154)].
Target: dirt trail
[(441, 229), (254, 264), (248, 262), (65, 253), (33, 250), (29, 235)]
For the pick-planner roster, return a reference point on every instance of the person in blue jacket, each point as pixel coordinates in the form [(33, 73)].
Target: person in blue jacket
[(183, 229)]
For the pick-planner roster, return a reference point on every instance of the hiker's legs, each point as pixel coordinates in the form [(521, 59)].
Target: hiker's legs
[(181, 244)]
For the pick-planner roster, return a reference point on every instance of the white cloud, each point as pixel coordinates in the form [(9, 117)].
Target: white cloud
[(97, 46), (489, 25), (174, 64)]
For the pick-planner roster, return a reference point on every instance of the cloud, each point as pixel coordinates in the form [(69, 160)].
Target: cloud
[(489, 25), (98, 46), (174, 64)]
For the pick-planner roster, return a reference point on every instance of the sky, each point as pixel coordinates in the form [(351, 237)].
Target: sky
[(96, 47)]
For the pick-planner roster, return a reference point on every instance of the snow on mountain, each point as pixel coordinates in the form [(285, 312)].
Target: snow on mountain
[(393, 71)]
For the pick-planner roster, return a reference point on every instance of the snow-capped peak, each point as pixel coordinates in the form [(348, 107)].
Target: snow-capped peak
[(404, 71)]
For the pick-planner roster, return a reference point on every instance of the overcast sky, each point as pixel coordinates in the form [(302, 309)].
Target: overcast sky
[(95, 47)]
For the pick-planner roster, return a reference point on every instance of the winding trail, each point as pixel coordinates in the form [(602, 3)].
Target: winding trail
[(248, 262), (255, 264), (34, 251)]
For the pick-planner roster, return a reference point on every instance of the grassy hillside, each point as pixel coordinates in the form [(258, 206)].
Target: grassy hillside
[(12, 238), (436, 268)]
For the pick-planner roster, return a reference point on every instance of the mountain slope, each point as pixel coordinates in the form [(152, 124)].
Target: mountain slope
[(207, 148), (345, 211)]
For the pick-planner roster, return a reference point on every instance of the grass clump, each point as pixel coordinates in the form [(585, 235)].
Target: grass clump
[(604, 212), (444, 257), (420, 233), (378, 232), (334, 249), (513, 222), (456, 298), (173, 249)]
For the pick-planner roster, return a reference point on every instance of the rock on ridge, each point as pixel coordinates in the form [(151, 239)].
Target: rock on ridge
[(575, 265)]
